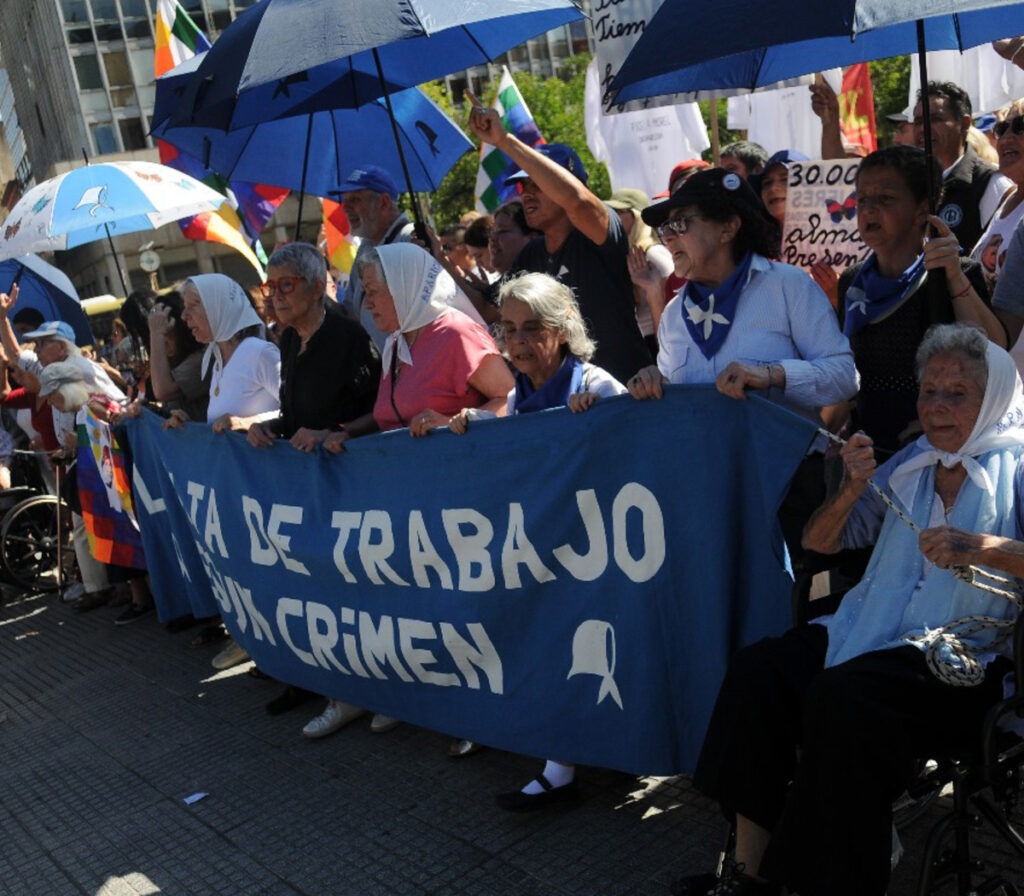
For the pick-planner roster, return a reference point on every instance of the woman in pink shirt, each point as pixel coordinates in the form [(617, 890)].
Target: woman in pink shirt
[(438, 359)]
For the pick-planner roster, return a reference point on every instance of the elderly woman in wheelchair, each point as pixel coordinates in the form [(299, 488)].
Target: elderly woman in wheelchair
[(815, 733)]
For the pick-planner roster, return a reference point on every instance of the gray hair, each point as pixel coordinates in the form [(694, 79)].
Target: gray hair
[(66, 380), (941, 339), (370, 258), (304, 259), (555, 305)]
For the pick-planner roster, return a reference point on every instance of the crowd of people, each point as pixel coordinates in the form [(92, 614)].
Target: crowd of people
[(561, 299)]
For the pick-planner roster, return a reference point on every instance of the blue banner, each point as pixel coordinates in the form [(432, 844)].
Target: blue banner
[(560, 585)]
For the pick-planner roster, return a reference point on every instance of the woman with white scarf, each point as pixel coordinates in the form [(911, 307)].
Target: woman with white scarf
[(244, 368), (438, 359), (245, 379), (894, 675)]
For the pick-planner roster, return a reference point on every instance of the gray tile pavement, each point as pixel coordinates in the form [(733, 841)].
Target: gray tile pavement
[(109, 728)]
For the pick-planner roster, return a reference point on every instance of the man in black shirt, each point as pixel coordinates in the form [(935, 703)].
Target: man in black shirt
[(582, 244)]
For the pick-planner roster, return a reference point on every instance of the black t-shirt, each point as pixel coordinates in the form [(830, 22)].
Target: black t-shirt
[(333, 381), (600, 279)]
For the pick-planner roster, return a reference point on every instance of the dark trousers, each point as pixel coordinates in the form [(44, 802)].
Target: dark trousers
[(859, 728)]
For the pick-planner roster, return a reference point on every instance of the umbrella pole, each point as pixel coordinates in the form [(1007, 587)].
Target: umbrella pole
[(305, 168), (117, 261), (716, 151), (926, 112), (421, 230)]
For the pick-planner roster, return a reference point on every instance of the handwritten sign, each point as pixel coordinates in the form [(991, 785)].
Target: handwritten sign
[(618, 25), (821, 215)]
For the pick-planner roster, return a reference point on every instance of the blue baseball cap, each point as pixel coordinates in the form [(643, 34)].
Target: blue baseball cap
[(986, 122), (53, 329), (369, 177), (559, 153), (784, 157)]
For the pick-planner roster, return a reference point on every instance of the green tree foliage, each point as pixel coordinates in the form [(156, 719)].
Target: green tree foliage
[(890, 83)]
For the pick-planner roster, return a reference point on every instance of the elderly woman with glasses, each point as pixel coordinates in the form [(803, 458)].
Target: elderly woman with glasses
[(744, 322), (330, 369), (329, 365)]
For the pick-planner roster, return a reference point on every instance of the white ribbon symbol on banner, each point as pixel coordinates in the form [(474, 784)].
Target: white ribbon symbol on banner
[(593, 653)]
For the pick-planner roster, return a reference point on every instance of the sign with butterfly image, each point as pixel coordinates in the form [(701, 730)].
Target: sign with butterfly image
[(821, 215)]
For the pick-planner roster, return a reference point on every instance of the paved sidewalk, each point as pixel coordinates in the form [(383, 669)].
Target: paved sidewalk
[(108, 728)]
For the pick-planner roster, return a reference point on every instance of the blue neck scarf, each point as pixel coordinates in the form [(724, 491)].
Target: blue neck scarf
[(554, 393), (709, 313), (871, 296)]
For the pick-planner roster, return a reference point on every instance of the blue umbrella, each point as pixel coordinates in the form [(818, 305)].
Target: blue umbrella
[(295, 47), (690, 46), (342, 140), (275, 58), (46, 289)]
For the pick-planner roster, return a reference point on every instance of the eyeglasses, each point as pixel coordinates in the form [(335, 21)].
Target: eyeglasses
[(676, 226), (1015, 124), (283, 285)]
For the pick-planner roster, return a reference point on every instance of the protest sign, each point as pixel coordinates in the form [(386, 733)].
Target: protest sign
[(555, 584), (821, 215)]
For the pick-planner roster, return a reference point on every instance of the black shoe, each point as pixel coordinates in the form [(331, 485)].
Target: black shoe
[(693, 885), (288, 699), (132, 613), (565, 796), (733, 882)]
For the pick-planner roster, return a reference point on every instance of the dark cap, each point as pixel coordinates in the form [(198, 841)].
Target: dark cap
[(711, 185), (559, 153)]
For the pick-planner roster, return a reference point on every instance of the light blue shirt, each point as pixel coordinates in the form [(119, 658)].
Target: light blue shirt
[(782, 318)]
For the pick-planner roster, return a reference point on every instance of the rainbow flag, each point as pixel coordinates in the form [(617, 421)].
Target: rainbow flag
[(247, 207), (491, 189), (341, 245), (104, 489)]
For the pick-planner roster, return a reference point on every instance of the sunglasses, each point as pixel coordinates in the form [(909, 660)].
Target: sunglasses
[(1015, 124), (283, 285), (676, 226)]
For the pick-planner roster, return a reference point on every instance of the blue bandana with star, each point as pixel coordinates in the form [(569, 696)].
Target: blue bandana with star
[(708, 313), (871, 296)]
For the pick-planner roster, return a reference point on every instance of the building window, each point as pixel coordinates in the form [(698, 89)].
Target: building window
[(108, 31), (79, 35), (132, 134), (578, 35), (74, 11), (103, 138), (118, 72), (220, 13), (122, 96), (136, 18), (88, 70), (104, 10)]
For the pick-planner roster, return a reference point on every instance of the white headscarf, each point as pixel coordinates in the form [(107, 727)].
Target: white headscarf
[(422, 291), (227, 309), (1000, 424)]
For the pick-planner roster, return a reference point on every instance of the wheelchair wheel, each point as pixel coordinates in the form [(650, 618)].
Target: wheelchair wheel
[(28, 543)]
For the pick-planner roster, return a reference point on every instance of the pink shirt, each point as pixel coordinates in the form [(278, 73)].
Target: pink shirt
[(445, 354)]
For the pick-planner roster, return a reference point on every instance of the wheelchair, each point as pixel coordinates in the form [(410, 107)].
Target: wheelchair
[(36, 553), (986, 785)]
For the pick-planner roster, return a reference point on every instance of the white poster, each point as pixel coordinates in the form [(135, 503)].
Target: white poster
[(641, 147), (821, 215), (990, 81)]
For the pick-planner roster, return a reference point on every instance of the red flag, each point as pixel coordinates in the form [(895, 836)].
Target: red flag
[(857, 107)]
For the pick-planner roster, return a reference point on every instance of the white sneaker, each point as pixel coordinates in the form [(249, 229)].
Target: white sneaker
[(381, 724), (230, 656), (337, 715), (73, 592)]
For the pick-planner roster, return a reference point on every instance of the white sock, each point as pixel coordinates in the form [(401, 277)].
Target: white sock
[(558, 774)]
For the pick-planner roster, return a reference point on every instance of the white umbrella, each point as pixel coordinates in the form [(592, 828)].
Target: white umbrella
[(102, 200)]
